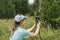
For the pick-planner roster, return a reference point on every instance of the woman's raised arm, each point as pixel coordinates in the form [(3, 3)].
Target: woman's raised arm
[(30, 29), (36, 32)]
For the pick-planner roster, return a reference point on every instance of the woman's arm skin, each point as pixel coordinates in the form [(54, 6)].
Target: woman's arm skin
[(31, 28), (32, 35)]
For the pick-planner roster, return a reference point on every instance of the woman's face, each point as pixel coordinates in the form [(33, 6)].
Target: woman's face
[(23, 22)]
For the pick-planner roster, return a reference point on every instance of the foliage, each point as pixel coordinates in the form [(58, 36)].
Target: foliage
[(21, 6), (50, 12), (7, 9)]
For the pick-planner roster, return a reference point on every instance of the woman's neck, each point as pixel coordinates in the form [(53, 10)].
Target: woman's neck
[(21, 25)]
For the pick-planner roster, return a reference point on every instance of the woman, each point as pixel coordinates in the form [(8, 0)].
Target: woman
[(19, 33)]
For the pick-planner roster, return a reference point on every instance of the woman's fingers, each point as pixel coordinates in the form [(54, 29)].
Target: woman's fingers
[(38, 21), (38, 24)]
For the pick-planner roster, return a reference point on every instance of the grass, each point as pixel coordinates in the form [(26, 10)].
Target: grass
[(46, 33)]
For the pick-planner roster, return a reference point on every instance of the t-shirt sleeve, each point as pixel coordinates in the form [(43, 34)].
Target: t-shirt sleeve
[(26, 34)]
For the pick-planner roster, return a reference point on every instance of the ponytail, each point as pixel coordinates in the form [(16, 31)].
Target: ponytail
[(15, 25)]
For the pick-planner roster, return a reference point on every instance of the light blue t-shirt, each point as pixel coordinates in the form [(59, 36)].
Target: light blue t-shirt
[(20, 34)]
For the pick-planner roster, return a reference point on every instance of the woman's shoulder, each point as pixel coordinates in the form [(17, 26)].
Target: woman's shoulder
[(21, 30)]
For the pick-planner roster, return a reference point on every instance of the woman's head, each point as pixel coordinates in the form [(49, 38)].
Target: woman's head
[(19, 21)]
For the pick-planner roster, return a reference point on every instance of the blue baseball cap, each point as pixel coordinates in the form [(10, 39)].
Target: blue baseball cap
[(20, 17)]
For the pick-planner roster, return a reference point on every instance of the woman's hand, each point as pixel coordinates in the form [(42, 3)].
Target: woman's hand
[(37, 31), (38, 24)]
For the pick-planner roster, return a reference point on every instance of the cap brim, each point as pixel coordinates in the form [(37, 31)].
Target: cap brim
[(25, 17)]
